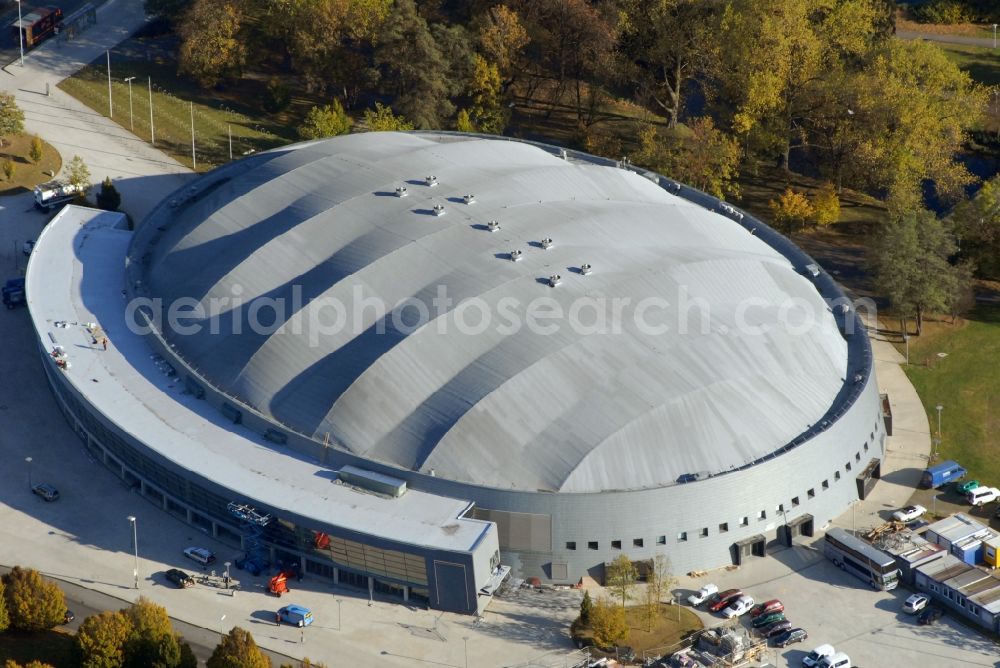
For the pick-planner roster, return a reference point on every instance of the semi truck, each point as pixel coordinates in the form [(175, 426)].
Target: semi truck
[(53, 194), (36, 25), (941, 474)]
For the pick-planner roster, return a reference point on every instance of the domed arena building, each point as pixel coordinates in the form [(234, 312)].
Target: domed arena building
[(421, 363)]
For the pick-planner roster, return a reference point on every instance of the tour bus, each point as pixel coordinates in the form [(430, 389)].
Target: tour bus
[(853, 555)]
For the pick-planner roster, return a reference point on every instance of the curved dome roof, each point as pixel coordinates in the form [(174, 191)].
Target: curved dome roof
[(316, 233)]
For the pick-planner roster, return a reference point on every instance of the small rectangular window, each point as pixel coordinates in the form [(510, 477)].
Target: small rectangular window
[(866, 446), (795, 501), (847, 466), (724, 527), (592, 545), (661, 540), (780, 508), (682, 536), (836, 476), (616, 545), (745, 522), (826, 484), (762, 515), (636, 542), (857, 456), (704, 532), (811, 493), (571, 545)]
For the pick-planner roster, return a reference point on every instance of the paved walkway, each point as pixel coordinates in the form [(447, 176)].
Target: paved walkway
[(986, 42), (142, 174)]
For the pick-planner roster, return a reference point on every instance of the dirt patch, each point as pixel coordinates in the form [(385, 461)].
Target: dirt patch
[(27, 174)]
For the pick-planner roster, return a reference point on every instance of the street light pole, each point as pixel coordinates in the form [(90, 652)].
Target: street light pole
[(465, 639), (994, 31), (135, 550), (111, 108), (20, 32), (131, 122), (906, 340), (28, 459), (939, 408), (339, 627), (152, 136)]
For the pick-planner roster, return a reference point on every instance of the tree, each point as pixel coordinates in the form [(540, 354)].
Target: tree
[(620, 577), (487, 113), (108, 197), (463, 123), (238, 650), (698, 154), (33, 603), (586, 607), (327, 121), (78, 174), (503, 38), (4, 614), (212, 47), (976, 222), (910, 261), (11, 663), (9, 169), (151, 641), (35, 151), (167, 10), (608, 624), (413, 67), (11, 116), (100, 642), (661, 578), (666, 43), (790, 211), (825, 205), (381, 119), (650, 606)]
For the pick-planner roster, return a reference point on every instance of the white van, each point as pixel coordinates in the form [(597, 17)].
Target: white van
[(812, 659), (838, 660), (980, 496)]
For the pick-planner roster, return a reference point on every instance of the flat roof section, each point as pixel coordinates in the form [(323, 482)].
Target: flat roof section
[(75, 276)]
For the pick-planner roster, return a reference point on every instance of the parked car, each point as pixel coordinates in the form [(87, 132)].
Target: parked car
[(812, 659), (930, 615), (980, 496), (179, 578), (838, 660), (723, 599), (776, 629), (27, 247), (774, 605), (909, 513), (46, 491), (964, 488), (702, 595), (766, 620), (915, 603), (68, 616), (199, 555), (296, 615), (790, 637), (738, 607)]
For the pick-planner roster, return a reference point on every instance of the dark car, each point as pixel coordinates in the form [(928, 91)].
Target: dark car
[(776, 629), (68, 616), (723, 599), (930, 615), (767, 620), (790, 637), (46, 491), (179, 578)]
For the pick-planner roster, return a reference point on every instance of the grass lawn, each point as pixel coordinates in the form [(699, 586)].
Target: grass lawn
[(666, 631), (26, 174), (52, 647), (967, 383), (982, 64)]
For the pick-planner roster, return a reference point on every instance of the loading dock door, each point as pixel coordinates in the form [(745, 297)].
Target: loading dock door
[(800, 526), (866, 479), (754, 546)]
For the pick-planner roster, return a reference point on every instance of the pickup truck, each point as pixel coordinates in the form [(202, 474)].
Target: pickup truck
[(54, 193)]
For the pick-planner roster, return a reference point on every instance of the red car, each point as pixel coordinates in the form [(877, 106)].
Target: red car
[(723, 599), (766, 608)]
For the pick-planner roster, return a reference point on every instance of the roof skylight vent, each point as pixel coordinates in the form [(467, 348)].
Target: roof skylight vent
[(493, 226), (585, 269), (554, 280), (401, 191), (431, 181), (515, 255), (563, 154), (547, 243), (439, 209), (470, 199)]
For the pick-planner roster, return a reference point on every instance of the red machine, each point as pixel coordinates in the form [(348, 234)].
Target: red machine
[(38, 24), (279, 583)]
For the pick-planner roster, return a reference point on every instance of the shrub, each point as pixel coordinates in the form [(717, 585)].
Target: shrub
[(33, 603), (278, 96), (35, 151), (9, 169), (327, 121), (825, 205), (108, 197)]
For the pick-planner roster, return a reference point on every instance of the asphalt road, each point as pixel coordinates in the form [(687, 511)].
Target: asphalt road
[(85, 602)]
